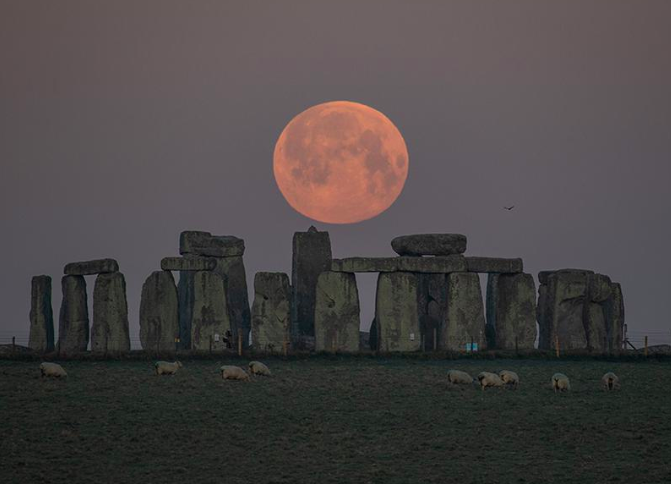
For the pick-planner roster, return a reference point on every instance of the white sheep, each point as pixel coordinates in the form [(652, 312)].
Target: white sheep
[(167, 368), (458, 377), (233, 373), (560, 383), (258, 368), (610, 381), (488, 379), (510, 378), (53, 370)]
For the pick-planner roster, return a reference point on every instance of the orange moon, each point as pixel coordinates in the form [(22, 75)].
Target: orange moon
[(340, 162)]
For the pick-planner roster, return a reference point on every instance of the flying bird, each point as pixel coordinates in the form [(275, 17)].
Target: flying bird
[(509, 208)]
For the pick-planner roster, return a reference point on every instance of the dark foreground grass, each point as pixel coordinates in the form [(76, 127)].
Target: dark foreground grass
[(334, 420)]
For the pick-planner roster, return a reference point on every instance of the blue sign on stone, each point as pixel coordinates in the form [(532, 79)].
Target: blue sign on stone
[(470, 347)]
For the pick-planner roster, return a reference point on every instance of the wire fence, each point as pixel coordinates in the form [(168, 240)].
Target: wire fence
[(633, 339)]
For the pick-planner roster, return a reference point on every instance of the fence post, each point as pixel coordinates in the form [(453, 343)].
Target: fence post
[(557, 345), (239, 344), (435, 339), (645, 351)]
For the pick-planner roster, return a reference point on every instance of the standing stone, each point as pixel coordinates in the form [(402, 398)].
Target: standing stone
[(613, 309), (232, 271), (337, 312), (465, 318), (41, 315), (109, 332), (311, 257), (396, 312), (159, 323), (595, 328), (432, 301), (210, 322), (511, 311), (185, 295), (73, 324), (271, 312), (564, 311), (429, 244)]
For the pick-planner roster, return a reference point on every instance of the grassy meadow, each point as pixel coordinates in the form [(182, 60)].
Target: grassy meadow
[(334, 420)]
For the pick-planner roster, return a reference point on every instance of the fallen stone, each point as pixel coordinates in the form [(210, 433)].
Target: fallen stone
[(159, 323), (91, 267), (429, 244), (511, 311), (494, 265), (109, 332), (41, 338), (271, 312), (73, 324), (337, 313), (210, 322), (441, 265), (397, 326), (465, 318), (206, 244), (188, 264), (311, 257), (232, 271)]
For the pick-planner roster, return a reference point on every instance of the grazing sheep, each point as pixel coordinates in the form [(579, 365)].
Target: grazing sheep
[(258, 368), (510, 378), (233, 373), (610, 381), (167, 368), (560, 383), (458, 377), (488, 379), (53, 370)]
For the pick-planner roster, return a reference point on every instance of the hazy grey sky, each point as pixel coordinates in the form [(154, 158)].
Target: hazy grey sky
[(123, 123)]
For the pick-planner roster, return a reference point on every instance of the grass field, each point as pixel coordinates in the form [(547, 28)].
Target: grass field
[(334, 420)]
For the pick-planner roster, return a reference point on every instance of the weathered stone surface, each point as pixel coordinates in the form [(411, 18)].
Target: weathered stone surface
[(73, 324), (159, 324), (595, 327), (599, 288), (613, 309), (188, 264), (271, 312), (429, 244), (210, 316), (440, 265), (465, 316), (397, 323), (109, 332), (41, 338), (206, 244), (432, 305), (494, 265), (311, 257), (511, 311), (365, 264), (232, 271), (337, 312), (91, 267), (185, 296), (373, 340), (575, 305)]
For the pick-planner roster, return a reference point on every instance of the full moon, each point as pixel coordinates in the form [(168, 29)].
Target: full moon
[(340, 162)]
